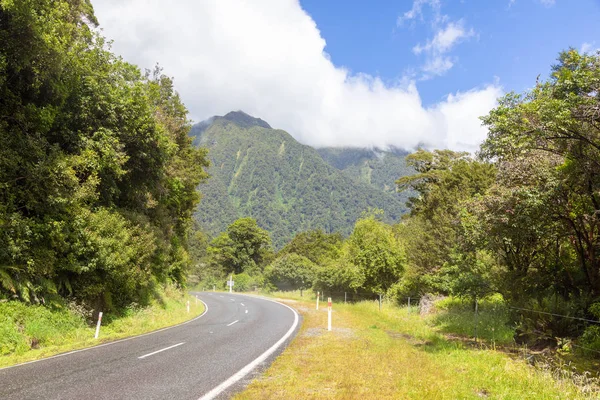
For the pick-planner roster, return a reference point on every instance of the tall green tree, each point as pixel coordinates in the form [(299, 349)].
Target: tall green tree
[(97, 175), (244, 247), (559, 120), (445, 181)]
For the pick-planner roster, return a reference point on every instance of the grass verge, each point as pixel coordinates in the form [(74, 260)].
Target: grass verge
[(30, 333), (394, 354)]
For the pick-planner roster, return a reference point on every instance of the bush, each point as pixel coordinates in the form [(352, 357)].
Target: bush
[(26, 326), (456, 315), (291, 271)]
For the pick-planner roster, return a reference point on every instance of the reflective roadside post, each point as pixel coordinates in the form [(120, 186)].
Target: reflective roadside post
[(329, 313)]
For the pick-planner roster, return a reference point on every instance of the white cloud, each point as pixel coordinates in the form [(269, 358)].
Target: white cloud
[(417, 11), (445, 39), (589, 48), (437, 63), (267, 57)]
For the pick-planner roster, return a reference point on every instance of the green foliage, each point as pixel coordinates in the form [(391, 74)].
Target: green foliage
[(97, 174), (372, 259), (375, 167), (376, 253), (457, 316), (244, 247), (316, 245), (245, 282), (287, 187), (441, 237), (557, 123), (25, 326), (291, 272)]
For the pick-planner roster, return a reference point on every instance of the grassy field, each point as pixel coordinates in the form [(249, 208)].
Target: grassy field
[(32, 332), (394, 354)]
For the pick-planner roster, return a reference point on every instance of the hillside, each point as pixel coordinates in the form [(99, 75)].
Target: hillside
[(265, 173), (376, 167)]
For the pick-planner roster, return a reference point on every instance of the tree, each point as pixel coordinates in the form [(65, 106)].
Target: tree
[(243, 248), (97, 174), (291, 271), (559, 120), (315, 245), (445, 181), (376, 255)]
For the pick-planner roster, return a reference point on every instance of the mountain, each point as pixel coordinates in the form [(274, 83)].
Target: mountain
[(380, 168), (288, 187)]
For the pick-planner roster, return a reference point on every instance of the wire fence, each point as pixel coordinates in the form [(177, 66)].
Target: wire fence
[(415, 305)]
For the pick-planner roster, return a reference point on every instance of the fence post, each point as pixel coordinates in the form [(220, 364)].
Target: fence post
[(329, 313), (344, 297), (98, 325), (379, 301), (409, 304), (317, 300), (476, 315)]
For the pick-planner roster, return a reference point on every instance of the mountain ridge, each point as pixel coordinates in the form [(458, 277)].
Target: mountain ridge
[(287, 186)]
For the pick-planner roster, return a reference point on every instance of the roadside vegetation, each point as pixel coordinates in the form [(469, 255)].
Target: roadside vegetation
[(98, 182), (515, 227), (31, 332), (396, 353)]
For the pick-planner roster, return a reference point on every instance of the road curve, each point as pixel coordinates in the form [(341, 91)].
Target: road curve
[(204, 358)]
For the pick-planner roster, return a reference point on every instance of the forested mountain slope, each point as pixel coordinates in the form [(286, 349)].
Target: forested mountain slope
[(380, 168), (265, 173)]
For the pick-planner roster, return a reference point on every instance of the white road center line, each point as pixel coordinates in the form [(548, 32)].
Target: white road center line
[(242, 304), (233, 322), (158, 351), (244, 371), (246, 311)]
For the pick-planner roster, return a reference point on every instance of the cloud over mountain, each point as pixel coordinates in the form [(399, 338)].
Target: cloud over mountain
[(268, 58)]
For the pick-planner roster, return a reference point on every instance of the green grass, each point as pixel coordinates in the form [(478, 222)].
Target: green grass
[(457, 316), (394, 354), (29, 332)]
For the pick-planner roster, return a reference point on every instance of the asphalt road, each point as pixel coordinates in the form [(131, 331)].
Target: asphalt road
[(189, 361)]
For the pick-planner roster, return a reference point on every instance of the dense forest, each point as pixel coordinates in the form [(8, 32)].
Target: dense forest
[(98, 176), (521, 219), (376, 167), (288, 187)]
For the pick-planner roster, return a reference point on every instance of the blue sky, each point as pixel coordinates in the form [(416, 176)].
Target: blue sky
[(352, 73), (513, 41)]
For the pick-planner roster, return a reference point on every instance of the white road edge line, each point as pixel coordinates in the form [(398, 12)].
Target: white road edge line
[(237, 320), (110, 343), (159, 351), (244, 371)]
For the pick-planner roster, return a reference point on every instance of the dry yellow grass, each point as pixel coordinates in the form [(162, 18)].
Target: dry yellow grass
[(393, 355)]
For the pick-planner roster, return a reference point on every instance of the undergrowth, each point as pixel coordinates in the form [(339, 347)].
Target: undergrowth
[(29, 332)]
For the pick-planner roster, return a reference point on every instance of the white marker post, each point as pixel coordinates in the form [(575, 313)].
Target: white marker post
[(230, 283), (329, 313), (196, 299), (188, 306), (317, 300), (98, 325)]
